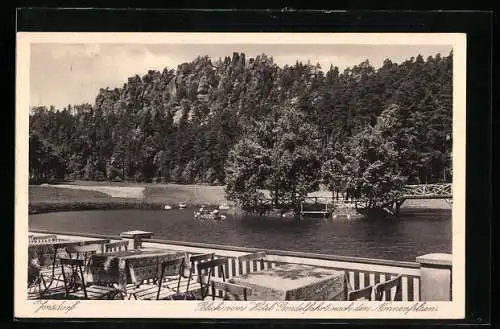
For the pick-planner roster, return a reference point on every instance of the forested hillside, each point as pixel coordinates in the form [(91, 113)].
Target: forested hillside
[(251, 124)]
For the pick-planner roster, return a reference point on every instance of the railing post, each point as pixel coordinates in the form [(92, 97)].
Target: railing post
[(135, 238), (435, 277)]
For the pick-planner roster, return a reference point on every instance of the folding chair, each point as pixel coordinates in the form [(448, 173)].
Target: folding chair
[(83, 252), (148, 280), (205, 272), (186, 284), (383, 290), (34, 281), (75, 285), (230, 291), (253, 257), (360, 294), (49, 275), (357, 294)]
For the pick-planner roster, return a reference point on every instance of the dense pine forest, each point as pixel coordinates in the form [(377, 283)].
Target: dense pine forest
[(253, 125)]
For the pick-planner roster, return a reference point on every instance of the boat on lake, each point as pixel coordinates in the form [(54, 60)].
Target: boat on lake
[(182, 205), (205, 214), (224, 206), (167, 207)]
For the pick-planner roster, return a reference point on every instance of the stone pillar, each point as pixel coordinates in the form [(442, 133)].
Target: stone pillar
[(135, 238), (435, 277)]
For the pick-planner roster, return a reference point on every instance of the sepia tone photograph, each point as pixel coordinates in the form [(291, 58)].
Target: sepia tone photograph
[(255, 170)]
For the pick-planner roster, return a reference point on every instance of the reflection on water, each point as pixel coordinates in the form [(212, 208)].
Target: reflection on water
[(414, 233)]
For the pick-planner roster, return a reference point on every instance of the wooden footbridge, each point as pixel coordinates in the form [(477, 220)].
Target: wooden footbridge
[(409, 192), (420, 192), (428, 191)]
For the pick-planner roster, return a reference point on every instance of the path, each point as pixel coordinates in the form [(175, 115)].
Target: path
[(113, 191)]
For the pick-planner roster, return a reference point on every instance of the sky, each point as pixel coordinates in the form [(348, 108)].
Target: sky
[(62, 74)]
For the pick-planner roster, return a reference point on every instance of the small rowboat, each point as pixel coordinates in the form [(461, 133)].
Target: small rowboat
[(182, 205), (209, 217), (224, 206), (204, 214)]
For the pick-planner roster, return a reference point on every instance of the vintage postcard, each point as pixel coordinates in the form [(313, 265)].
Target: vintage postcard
[(240, 175)]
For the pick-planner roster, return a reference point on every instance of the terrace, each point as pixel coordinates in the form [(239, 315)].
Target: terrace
[(233, 270)]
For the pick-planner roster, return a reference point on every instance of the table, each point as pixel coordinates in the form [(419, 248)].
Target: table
[(295, 282), (114, 267), (43, 254)]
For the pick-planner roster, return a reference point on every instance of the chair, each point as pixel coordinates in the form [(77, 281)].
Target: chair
[(208, 268), (357, 294), (43, 238), (116, 246), (185, 284), (230, 291), (34, 280), (257, 256), (148, 279), (49, 274), (49, 282), (74, 282), (360, 294), (83, 252), (383, 289), (44, 282)]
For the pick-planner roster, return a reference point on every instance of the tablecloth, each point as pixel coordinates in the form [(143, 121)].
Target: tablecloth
[(295, 282), (114, 267)]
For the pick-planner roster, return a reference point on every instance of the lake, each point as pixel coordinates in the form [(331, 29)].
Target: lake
[(416, 232)]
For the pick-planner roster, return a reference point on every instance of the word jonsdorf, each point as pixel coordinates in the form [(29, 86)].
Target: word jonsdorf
[(63, 306)]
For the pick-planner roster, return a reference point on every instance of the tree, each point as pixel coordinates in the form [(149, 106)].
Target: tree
[(36, 157), (370, 163), (279, 154), (45, 162), (247, 166), (331, 169)]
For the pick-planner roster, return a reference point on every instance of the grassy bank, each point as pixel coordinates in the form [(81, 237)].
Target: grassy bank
[(44, 207), (154, 196)]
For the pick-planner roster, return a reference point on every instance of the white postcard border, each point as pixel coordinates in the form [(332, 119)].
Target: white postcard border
[(24, 308)]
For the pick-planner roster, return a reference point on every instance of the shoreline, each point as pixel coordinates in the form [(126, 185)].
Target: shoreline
[(77, 197), (48, 207)]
